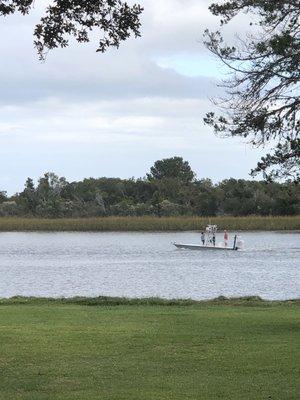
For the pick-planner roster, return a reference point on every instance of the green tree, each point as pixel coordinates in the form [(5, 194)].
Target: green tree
[(262, 102), (3, 196), (64, 18), (49, 190), (237, 197), (28, 198), (8, 208), (54, 197), (204, 198), (285, 199), (156, 203), (169, 209), (172, 168)]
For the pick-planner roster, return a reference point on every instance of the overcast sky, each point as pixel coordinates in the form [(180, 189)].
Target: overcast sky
[(83, 114)]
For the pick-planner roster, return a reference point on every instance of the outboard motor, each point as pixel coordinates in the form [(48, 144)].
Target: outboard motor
[(238, 243)]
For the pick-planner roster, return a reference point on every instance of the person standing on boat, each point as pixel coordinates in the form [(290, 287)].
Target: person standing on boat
[(214, 239), (226, 237), (203, 238)]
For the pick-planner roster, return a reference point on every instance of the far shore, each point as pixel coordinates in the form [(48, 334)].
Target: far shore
[(106, 301), (149, 223)]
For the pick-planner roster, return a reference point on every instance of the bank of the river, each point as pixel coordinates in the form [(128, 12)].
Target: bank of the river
[(250, 223), (148, 349)]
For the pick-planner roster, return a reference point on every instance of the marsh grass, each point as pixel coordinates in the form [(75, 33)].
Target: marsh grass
[(150, 224)]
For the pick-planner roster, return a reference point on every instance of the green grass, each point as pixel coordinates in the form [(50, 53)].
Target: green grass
[(224, 349), (150, 223)]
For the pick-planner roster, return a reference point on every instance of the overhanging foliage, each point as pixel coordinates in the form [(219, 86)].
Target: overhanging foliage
[(262, 102), (114, 19)]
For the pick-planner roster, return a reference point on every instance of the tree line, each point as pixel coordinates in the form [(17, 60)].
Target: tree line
[(169, 189)]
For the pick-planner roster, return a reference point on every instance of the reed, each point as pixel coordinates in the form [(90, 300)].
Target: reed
[(250, 223)]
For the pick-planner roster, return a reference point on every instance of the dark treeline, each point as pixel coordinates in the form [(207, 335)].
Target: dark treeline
[(170, 189)]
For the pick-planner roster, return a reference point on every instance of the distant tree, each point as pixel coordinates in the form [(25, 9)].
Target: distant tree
[(50, 185), (204, 198), (8, 208), (142, 209), (156, 203), (171, 189), (141, 191), (100, 203), (54, 197), (49, 190), (115, 19), (169, 209), (285, 199), (124, 208), (3, 196), (28, 198), (263, 93), (174, 168), (238, 197)]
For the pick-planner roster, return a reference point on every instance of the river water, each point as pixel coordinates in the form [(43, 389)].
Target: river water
[(147, 265)]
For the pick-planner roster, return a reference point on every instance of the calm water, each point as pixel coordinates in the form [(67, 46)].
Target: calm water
[(146, 264)]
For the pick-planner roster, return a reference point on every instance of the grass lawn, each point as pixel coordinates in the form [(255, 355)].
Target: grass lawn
[(141, 352)]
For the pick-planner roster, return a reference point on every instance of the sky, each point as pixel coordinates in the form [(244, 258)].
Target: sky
[(86, 114)]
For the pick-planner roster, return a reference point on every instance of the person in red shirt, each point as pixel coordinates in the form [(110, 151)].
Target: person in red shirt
[(226, 237)]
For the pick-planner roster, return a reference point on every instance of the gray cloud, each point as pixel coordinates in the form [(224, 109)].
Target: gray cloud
[(84, 114), (79, 73)]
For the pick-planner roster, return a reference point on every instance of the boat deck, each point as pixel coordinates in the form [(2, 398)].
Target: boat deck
[(202, 247)]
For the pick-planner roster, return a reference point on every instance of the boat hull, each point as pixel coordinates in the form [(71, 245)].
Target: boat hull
[(201, 247)]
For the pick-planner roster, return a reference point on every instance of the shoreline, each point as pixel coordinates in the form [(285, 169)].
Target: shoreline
[(150, 224), (106, 301)]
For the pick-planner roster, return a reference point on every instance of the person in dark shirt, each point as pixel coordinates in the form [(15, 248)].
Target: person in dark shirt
[(214, 239), (203, 238)]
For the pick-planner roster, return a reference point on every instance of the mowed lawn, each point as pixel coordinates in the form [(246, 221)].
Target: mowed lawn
[(149, 352)]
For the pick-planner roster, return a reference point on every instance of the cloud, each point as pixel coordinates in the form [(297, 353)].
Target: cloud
[(83, 113), (170, 28)]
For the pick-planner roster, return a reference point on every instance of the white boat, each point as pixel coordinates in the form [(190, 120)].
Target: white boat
[(210, 242), (202, 247)]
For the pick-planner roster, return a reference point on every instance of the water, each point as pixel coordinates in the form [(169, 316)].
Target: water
[(146, 265)]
